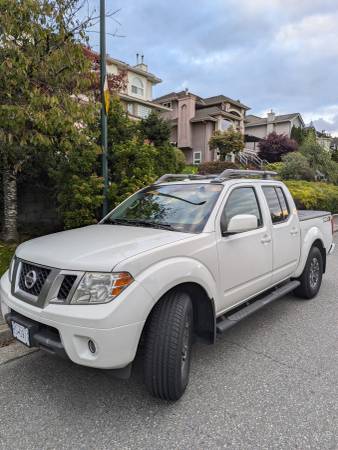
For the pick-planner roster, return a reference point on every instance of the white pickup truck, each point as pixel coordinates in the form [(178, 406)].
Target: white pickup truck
[(176, 261)]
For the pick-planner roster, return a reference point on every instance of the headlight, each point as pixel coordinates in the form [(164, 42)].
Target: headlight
[(11, 268), (97, 287)]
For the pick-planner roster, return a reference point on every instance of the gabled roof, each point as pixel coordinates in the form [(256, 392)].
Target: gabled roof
[(209, 101), (209, 113), (222, 98), (252, 120)]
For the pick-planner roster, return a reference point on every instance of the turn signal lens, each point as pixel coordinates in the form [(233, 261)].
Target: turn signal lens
[(120, 281)]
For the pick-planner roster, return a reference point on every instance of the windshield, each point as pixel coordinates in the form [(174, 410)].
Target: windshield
[(177, 207)]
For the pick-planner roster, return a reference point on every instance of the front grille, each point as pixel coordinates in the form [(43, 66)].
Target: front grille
[(66, 286), (41, 276)]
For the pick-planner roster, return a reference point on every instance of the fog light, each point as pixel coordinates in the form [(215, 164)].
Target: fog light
[(91, 346)]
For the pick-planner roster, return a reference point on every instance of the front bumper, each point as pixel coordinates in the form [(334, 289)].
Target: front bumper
[(115, 339)]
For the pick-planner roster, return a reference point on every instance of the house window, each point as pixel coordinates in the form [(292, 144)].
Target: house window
[(197, 158), (130, 108), (167, 105), (143, 111), (225, 124), (137, 87)]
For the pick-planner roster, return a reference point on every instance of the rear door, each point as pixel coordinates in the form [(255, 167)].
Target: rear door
[(285, 233), (245, 259)]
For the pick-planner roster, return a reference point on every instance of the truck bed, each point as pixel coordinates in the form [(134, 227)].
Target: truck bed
[(309, 214)]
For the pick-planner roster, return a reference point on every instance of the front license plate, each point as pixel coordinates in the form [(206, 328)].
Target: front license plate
[(21, 333)]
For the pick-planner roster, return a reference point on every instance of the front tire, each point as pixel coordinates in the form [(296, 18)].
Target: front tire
[(311, 278), (168, 342)]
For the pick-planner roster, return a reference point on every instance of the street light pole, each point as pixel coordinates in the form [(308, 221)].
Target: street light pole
[(103, 104)]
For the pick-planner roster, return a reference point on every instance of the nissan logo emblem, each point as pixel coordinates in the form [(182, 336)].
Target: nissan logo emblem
[(30, 279)]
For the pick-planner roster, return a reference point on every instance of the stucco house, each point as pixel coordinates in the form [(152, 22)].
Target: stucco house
[(194, 119), (137, 92), (260, 127)]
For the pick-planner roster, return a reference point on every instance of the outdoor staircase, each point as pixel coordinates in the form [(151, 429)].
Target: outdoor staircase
[(248, 157)]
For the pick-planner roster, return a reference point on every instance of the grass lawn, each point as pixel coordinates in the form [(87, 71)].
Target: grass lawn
[(6, 253)]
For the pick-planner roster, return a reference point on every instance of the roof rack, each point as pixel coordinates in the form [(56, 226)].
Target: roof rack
[(235, 173), (183, 176), (216, 178)]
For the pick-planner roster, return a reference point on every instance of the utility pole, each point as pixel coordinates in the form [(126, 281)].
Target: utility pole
[(103, 104)]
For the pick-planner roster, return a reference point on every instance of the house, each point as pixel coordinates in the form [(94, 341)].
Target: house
[(257, 128), (136, 90), (194, 119)]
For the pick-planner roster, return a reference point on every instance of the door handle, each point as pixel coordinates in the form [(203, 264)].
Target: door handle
[(266, 239), (294, 231)]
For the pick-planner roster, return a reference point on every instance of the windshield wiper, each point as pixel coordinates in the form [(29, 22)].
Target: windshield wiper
[(180, 198), (140, 223)]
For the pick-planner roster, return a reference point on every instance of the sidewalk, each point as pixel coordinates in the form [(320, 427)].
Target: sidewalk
[(5, 334)]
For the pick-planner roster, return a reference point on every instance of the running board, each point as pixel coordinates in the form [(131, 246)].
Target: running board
[(231, 320)]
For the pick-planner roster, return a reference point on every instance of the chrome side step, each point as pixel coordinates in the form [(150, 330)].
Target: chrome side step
[(224, 323)]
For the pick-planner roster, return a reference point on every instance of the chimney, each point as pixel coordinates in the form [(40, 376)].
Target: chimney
[(140, 64), (271, 116)]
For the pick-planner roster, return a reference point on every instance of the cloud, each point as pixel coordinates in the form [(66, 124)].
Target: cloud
[(278, 54)]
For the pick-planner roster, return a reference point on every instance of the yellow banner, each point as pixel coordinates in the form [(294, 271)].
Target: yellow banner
[(106, 94)]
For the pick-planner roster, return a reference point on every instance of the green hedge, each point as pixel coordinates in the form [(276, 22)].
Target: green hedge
[(214, 167), (314, 195)]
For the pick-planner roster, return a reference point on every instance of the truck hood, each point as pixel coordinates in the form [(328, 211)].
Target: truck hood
[(96, 247)]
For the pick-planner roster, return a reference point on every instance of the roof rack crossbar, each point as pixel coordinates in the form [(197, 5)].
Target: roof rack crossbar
[(183, 176), (236, 173), (216, 178)]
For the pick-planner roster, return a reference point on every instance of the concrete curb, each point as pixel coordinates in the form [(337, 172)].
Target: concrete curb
[(5, 335)]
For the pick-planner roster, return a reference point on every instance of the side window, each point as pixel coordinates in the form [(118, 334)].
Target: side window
[(277, 204), (283, 202), (241, 201)]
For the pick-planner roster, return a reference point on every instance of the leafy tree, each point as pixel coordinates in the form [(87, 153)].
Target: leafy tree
[(274, 146), (297, 134), (228, 141), (133, 163), (120, 128), (155, 129), (133, 168), (43, 76), (319, 159), (296, 167)]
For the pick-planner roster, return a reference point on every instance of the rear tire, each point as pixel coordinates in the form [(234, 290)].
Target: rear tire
[(311, 278), (168, 342)]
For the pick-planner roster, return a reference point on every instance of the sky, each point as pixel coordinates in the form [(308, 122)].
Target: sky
[(269, 54)]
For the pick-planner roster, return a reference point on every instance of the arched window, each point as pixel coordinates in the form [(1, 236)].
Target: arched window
[(225, 124), (137, 87)]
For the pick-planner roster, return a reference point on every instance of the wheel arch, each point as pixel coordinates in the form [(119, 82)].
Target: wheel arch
[(203, 310), (313, 238), (319, 244)]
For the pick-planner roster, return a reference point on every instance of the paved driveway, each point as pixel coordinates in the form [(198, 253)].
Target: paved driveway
[(271, 382)]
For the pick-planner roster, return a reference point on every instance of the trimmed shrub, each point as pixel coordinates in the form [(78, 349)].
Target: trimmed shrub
[(314, 195), (276, 167), (211, 167)]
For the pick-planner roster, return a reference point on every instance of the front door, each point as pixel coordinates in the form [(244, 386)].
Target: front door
[(245, 259)]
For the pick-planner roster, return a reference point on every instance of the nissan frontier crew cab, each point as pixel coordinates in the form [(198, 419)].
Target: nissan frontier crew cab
[(187, 257)]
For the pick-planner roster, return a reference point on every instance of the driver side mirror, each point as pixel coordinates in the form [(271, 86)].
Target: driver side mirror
[(241, 223)]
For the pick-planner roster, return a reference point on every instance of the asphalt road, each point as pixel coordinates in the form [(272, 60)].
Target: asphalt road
[(271, 382)]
